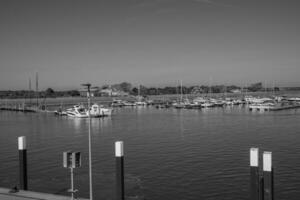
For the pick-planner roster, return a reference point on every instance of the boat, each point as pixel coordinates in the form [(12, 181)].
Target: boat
[(207, 104), (60, 112), (117, 103), (77, 111), (140, 101), (178, 105), (262, 106), (199, 100), (99, 111), (127, 103), (218, 102)]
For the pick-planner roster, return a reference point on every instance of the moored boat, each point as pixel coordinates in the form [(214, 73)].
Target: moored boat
[(99, 111), (77, 111)]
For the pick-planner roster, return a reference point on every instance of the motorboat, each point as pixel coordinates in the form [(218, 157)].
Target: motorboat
[(117, 103), (99, 111), (77, 111), (207, 104), (127, 103), (140, 103), (262, 106)]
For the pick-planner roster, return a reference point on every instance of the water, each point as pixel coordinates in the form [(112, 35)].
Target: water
[(169, 154)]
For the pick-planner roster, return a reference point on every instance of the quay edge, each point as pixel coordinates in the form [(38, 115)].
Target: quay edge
[(5, 194)]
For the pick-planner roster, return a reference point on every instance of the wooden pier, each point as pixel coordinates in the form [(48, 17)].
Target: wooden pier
[(7, 194), (19, 108)]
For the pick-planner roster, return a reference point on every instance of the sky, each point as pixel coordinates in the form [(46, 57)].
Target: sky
[(149, 42)]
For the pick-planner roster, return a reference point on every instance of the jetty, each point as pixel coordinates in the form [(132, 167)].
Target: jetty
[(19, 108), (9, 194), (276, 107)]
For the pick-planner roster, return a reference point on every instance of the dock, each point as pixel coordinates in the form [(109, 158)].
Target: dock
[(262, 107), (5, 194), (285, 107)]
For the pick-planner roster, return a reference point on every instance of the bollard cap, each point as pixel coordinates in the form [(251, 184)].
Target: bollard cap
[(254, 157), (22, 143), (119, 149), (267, 161)]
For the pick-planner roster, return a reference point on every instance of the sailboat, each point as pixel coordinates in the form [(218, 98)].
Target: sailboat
[(181, 103), (140, 101)]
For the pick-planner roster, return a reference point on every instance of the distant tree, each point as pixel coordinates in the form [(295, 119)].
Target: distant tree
[(170, 90), (105, 87), (196, 90), (255, 87), (143, 90), (49, 92), (134, 91), (125, 87), (73, 93), (152, 91)]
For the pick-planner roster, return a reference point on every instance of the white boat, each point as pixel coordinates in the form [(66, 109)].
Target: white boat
[(77, 111), (262, 106), (207, 104), (178, 105), (218, 102), (294, 99), (199, 100), (99, 111), (117, 103), (140, 101), (256, 100), (127, 103)]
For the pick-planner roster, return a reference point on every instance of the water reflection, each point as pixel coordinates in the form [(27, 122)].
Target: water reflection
[(78, 123), (81, 124)]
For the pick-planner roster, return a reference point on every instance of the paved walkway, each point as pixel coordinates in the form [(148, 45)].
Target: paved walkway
[(28, 195)]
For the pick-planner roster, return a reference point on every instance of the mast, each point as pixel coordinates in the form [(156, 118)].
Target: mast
[(209, 89), (37, 88), (139, 91), (29, 90), (274, 88), (180, 90)]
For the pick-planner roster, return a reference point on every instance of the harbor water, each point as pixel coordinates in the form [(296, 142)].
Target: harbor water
[(169, 154)]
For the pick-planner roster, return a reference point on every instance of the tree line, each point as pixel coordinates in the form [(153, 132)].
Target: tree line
[(140, 90)]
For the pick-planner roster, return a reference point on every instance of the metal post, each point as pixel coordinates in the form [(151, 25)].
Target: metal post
[(22, 162), (119, 153), (72, 183), (261, 188), (268, 176), (88, 86), (90, 145), (254, 174)]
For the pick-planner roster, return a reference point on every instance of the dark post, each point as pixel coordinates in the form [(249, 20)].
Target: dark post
[(254, 174), (261, 190), (119, 153), (23, 162), (268, 176)]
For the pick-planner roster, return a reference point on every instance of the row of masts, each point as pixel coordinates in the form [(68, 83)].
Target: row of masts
[(36, 89), (225, 89)]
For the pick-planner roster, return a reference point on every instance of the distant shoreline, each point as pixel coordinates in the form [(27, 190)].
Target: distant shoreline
[(166, 97)]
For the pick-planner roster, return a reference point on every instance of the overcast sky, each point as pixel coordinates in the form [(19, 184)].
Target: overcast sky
[(150, 42)]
